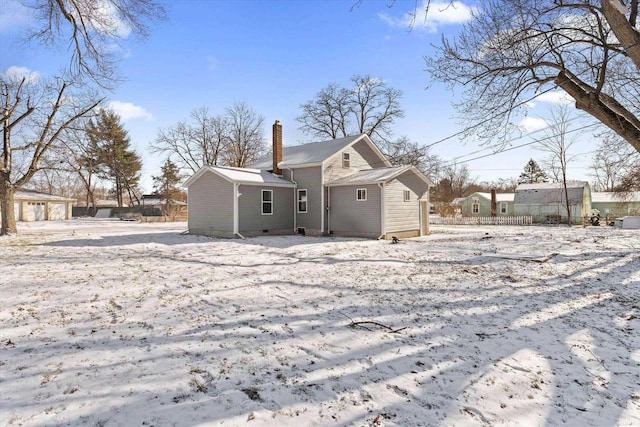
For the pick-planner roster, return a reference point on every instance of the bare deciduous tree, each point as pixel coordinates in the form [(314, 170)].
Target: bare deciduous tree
[(91, 29), (403, 151), (246, 138), (370, 106), (34, 115), (613, 160), (234, 138), (197, 143), (513, 49), (557, 143)]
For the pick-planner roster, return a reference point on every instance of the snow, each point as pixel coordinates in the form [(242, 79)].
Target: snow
[(114, 323)]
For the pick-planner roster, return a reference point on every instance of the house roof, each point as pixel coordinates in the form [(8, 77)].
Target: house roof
[(378, 175), (610, 197), (551, 185), (244, 176), (549, 192), (36, 195), (457, 201), (500, 197), (313, 154)]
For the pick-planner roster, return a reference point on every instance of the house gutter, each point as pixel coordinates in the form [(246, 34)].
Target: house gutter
[(236, 220), (382, 212)]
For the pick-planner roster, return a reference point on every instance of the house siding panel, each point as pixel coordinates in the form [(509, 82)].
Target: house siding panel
[(211, 206), (251, 220), (310, 179), (401, 215), (353, 217), (361, 157)]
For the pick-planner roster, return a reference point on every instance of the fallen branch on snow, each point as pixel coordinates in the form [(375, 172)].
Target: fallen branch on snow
[(361, 324), (540, 259)]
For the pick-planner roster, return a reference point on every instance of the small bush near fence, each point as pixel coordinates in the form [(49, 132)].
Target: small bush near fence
[(481, 220)]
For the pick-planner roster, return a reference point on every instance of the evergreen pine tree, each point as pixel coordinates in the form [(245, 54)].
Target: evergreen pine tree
[(532, 174), (118, 162)]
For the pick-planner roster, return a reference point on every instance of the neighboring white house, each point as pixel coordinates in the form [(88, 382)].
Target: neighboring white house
[(342, 187), (29, 205), (545, 202)]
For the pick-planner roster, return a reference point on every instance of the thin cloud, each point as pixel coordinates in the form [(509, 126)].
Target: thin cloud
[(128, 111), (556, 97), (432, 15), (14, 16), (532, 124), (18, 73)]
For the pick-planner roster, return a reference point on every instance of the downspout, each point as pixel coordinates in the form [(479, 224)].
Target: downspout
[(328, 209), (236, 220), (322, 207), (382, 212), (295, 203)]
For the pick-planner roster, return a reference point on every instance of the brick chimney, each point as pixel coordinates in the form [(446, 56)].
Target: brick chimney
[(277, 147)]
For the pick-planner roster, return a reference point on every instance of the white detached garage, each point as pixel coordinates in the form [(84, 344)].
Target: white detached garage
[(31, 205)]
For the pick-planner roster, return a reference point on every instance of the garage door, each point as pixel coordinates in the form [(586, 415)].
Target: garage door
[(35, 211), (57, 211)]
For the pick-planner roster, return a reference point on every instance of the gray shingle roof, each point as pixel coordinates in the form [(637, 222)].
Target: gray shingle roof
[(549, 192), (307, 154), (378, 175), (242, 176)]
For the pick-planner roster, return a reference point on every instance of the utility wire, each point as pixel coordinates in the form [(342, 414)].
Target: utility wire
[(508, 142), (524, 145), (465, 130)]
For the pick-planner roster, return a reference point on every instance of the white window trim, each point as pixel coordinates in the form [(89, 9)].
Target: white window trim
[(406, 195), (346, 160), (473, 207), (263, 202), (364, 192), (306, 201), (503, 207)]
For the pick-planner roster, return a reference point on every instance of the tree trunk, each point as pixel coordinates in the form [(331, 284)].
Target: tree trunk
[(6, 207), (623, 29), (605, 109)]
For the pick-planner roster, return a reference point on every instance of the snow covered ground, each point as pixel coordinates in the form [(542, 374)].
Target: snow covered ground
[(113, 323)]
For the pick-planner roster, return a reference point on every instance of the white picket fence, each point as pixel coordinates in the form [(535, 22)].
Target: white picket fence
[(481, 220)]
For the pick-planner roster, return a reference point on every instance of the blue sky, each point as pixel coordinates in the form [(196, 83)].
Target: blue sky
[(275, 55)]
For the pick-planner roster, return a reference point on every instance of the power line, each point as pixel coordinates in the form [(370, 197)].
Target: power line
[(526, 144), (465, 130), (507, 142)]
